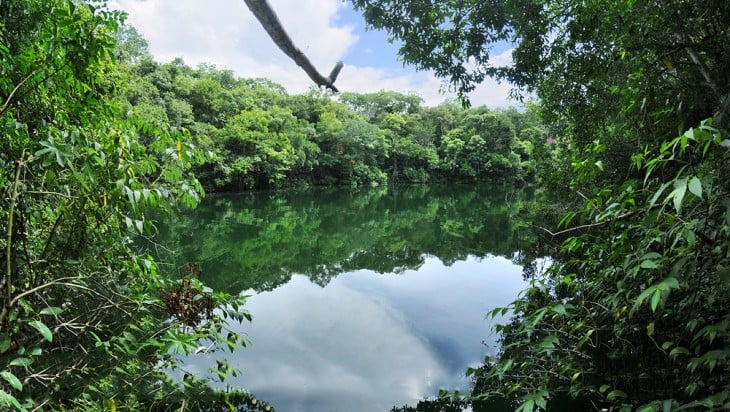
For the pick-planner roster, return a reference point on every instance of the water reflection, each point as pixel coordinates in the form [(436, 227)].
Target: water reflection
[(366, 342), (259, 240), (360, 300)]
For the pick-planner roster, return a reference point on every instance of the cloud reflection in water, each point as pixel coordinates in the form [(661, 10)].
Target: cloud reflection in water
[(367, 342)]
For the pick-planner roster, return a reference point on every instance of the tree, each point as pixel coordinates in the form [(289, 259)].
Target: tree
[(79, 181), (617, 319), (131, 46), (373, 106)]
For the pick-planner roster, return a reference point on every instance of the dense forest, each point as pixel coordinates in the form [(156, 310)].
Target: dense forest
[(260, 137), (627, 133)]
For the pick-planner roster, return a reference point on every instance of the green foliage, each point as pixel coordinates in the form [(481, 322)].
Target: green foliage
[(654, 301), (263, 138), (85, 320), (633, 313)]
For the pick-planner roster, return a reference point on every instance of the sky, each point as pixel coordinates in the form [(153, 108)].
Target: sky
[(225, 33)]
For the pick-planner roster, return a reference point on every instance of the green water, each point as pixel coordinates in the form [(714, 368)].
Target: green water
[(361, 299)]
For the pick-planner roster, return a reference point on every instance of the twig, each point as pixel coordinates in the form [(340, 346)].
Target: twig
[(40, 287), (6, 284), (17, 87), (588, 226)]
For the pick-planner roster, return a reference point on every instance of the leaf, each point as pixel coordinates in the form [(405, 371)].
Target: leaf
[(4, 342), (648, 264), (12, 380), (655, 299), (527, 406), (614, 394), (695, 186), (6, 398), (658, 193), (677, 195), (559, 309), (651, 255), (42, 329), (20, 362), (51, 310), (674, 353)]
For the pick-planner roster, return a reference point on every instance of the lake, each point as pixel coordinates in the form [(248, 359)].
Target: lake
[(362, 299)]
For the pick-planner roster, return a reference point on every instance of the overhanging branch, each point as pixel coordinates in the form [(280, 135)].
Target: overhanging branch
[(268, 19)]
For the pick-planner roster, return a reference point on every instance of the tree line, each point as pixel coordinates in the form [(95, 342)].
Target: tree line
[(261, 137)]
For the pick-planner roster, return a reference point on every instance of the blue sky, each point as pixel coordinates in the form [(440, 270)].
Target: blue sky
[(225, 33), (372, 45)]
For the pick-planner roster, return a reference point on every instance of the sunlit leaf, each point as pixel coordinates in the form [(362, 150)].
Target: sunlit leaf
[(42, 329), (695, 186), (12, 380), (48, 310), (21, 362)]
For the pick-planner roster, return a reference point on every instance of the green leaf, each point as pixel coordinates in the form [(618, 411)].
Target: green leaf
[(528, 406), (51, 310), (658, 193), (42, 329), (651, 255), (677, 195), (655, 299), (20, 362), (6, 398), (4, 342), (648, 264), (695, 187), (615, 394), (674, 353), (559, 309), (12, 380)]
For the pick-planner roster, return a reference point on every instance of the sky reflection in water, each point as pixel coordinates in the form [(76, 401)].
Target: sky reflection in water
[(368, 341)]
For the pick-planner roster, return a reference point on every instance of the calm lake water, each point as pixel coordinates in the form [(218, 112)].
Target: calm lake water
[(361, 299)]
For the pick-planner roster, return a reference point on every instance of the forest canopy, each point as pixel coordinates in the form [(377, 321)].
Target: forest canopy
[(628, 135)]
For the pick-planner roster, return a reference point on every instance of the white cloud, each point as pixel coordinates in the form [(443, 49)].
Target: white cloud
[(225, 33)]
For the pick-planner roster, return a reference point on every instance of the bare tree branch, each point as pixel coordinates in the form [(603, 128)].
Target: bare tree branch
[(587, 226), (268, 19), (17, 87)]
